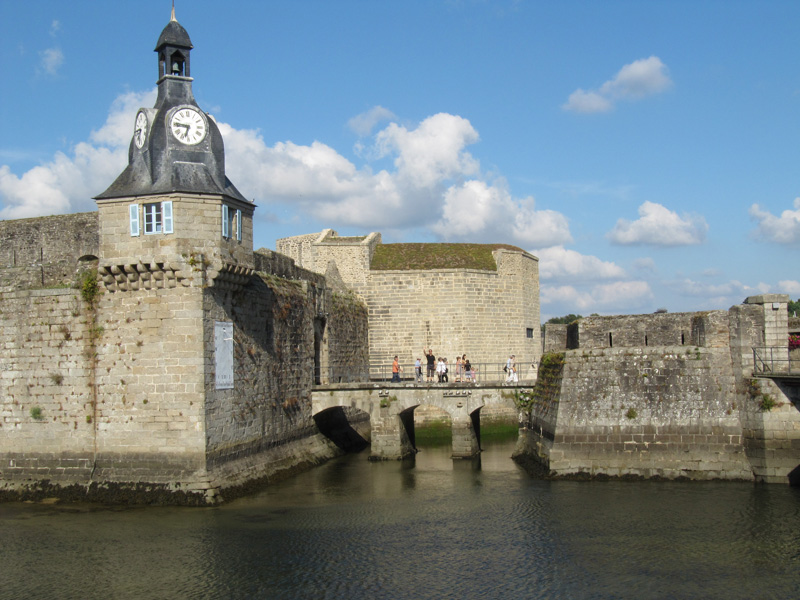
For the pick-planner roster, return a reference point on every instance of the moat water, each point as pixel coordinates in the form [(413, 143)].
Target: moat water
[(433, 528)]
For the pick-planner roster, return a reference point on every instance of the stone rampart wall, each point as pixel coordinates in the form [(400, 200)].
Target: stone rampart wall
[(483, 314), (52, 239), (279, 265), (45, 251), (124, 388), (691, 411), (660, 329), (653, 412), (46, 385), (300, 247)]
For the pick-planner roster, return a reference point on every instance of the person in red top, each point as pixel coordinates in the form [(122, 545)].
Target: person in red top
[(396, 369)]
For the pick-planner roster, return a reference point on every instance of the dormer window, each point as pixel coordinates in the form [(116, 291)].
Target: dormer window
[(157, 218)]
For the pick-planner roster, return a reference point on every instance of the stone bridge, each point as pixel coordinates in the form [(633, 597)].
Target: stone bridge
[(391, 411)]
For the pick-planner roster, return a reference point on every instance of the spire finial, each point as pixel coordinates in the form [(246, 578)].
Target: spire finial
[(172, 18)]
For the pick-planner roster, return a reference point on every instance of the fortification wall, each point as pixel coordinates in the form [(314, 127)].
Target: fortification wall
[(123, 386), (651, 412), (46, 385), (45, 251), (484, 314), (52, 239), (300, 247), (669, 410)]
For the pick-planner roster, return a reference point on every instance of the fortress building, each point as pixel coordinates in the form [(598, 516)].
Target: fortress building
[(150, 354), (476, 299)]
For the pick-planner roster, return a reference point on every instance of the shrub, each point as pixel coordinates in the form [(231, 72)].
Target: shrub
[(794, 341)]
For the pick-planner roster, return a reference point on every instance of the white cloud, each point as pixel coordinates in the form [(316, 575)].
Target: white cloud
[(789, 287), (68, 182), (435, 183), (641, 78), (51, 60), (617, 296), (659, 226), (557, 263), (587, 102), (719, 294), (781, 230), (432, 152), (478, 211), (634, 81), (55, 27), (364, 123)]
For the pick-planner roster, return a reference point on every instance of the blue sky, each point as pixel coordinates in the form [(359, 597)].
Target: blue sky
[(647, 152)]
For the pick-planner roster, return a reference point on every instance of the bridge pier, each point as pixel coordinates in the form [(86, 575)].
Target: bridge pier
[(391, 412), (466, 435), (392, 437)]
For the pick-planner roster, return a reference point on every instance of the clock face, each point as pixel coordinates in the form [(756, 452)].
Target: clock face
[(140, 130), (188, 126)]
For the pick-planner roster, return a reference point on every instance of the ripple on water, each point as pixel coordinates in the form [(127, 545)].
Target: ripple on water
[(431, 528)]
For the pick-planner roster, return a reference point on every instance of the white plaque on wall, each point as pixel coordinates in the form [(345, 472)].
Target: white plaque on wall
[(223, 354)]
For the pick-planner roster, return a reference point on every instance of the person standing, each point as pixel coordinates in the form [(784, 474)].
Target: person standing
[(431, 364), (396, 369), (511, 370), (418, 370)]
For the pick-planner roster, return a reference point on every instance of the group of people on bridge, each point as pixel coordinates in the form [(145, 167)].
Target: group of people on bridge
[(438, 370)]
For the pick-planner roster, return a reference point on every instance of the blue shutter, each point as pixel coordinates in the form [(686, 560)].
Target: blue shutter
[(133, 211), (225, 223), (166, 214), (238, 224)]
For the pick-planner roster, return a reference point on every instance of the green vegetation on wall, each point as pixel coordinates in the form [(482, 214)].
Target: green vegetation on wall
[(411, 257), (548, 385)]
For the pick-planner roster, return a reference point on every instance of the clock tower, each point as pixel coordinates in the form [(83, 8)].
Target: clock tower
[(173, 200)]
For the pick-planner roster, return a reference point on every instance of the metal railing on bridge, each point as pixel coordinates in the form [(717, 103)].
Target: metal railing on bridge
[(775, 362), (481, 372)]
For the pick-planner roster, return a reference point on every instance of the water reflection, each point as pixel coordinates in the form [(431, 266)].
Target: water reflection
[(427, 528)]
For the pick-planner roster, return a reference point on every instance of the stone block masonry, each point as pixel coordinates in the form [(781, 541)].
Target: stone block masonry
[(621, 407), (114, 397), (484, 313)]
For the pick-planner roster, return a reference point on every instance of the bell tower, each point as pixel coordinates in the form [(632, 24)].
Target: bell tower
[(173, 49), (173, 200)]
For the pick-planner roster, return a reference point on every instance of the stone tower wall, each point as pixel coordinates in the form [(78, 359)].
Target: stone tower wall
[(486, 315), (196, 237), (483, 314)]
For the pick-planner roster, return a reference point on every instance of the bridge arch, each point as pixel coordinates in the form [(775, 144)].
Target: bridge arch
[(391, 412)]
